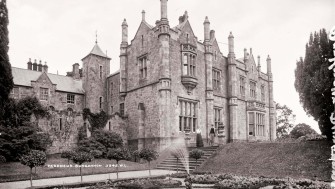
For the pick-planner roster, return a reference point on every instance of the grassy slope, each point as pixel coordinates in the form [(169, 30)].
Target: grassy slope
[(296, 160)]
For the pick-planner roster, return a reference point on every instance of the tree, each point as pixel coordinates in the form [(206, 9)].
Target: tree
[(148, 155), (196, 154), (33, 159), (67, 155), (80, 158), (302, 129), (313, 80), (285, 120), (118, 154), (96, 154), (136, 154), (6, 78), (18, 134)]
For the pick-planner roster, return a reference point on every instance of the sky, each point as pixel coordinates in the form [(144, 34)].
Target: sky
[(62, 32)]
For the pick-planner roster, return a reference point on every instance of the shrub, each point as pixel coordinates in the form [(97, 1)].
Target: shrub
[(196, 154), (2, 159), (302, 129), (67, 155)]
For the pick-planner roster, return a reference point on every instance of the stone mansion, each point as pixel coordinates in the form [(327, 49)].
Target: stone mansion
[(169, 85)]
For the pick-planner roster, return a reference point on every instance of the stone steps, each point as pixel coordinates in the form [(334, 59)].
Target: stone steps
[(170, 163)]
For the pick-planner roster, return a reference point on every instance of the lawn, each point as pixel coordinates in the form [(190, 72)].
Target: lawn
[(296, 160), (15, 171)]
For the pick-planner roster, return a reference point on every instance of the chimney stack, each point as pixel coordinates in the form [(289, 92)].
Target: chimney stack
[(75, 71), (212, 34), (40, 66), (30, 65), (35, 65), (45, 67)]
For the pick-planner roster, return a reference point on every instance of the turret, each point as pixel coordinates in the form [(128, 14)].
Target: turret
[(246, 55), (124, 32), (164, 10), (231, 43), (123, 59), (272, 107), (268, 61), (259, 63), (206, 30), (233, 132)]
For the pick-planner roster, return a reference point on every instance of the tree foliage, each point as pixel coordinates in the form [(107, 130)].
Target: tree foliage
[(33, 159), (79, 158), (148, 155), (196, 154), (67, 155), (118, 154), (302, 129), (18, 134), (6, 78), (313, 80), (285, 120)]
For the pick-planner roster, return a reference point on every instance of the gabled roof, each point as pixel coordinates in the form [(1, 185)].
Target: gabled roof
[(97, 51), (23, 77)]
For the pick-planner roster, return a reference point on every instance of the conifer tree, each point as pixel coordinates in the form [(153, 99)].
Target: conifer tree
[(6, 79), (313, 80)]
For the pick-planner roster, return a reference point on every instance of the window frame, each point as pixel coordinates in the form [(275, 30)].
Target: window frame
[(188, 115), (69, 99), (189, 65), (44, 93), (217, 117), (253, 88), (143, 66), (216, 81)]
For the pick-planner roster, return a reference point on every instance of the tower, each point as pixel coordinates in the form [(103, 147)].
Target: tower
[(209, 77), (123, 60), (232, 90), (272, 107), (96, 67), (164, 85)]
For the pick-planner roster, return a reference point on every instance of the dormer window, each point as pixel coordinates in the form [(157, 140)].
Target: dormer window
[(44, 93)]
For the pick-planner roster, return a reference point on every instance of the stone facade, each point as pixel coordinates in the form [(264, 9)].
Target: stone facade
[(169, 86), (172, 85)]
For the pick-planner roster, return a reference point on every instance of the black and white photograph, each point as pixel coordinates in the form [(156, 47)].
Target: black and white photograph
[(160, 94)]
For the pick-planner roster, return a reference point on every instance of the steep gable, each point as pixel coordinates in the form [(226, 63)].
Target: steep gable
[(186, 34)]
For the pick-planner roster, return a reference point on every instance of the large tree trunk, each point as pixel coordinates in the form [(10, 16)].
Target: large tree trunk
[(31, 176)]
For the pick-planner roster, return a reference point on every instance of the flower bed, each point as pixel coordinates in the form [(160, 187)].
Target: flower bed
[(139, 184)]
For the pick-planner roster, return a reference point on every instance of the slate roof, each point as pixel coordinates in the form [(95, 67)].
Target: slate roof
[(23, 77), (97, 51)]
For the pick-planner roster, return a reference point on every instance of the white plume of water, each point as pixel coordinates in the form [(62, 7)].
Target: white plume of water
[(179, 149)]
